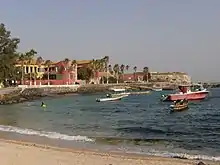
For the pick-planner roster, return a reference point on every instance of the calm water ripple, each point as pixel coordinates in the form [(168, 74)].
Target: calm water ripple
[(140, 120)]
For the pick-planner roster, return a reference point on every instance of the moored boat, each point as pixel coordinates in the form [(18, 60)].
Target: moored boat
[(179, 105), (111, 98), (118, 91), (191, 92), (157, 89), (116, 94)]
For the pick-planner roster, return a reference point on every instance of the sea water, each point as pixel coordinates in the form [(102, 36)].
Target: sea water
[(140, 124)]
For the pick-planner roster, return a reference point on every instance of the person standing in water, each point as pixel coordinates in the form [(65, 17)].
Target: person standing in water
[(43, 105)]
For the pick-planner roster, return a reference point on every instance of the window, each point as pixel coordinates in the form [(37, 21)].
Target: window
[(53, 77)]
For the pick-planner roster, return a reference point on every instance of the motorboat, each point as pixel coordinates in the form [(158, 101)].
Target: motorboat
[(157, 89), (190, 92), (179, 105), (118, 91), (111, 98)]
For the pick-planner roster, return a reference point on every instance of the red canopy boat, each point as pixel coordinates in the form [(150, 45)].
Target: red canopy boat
[(191, 92)]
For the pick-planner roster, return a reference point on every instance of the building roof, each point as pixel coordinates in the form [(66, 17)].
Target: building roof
[(80, 62)]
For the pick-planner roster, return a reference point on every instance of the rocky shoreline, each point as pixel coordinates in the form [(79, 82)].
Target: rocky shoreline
[(19, 94)]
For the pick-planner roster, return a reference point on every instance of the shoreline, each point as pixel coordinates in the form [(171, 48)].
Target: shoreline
[(24, 93), (88, 156)]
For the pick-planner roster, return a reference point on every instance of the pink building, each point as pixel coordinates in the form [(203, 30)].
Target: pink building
[(60, 73)]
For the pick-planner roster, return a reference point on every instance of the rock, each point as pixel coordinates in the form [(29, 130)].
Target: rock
[(171, 77), (201, 163), (22, 99), (16, 96)]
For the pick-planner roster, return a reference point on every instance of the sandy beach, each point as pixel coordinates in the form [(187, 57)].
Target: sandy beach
[(23, 153)]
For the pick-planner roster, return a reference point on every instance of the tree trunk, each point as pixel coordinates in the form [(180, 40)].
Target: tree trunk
[(135, 76), (30, 78), (48, 77), (76, 73), (147, 77), (35, 78), (22, 75), (123, 77), (40, 74), (107, 73), (40, 81)]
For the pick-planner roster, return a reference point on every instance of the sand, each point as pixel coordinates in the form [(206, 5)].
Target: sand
[(23, 153)]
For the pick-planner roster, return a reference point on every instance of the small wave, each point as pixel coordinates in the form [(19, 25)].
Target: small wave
[(188, 156), (180, 155), (51, 135)]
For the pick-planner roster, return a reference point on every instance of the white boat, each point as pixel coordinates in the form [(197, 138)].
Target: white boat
[(189, 92), (111, 98), (119, 91), (157, 89)]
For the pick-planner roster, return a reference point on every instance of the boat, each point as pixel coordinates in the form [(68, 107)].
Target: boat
[(179, 105), (118, 91), (157, 89), (116, 94), (189, 92), (111, 98)]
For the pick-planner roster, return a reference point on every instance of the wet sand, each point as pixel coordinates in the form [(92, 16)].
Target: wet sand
[(23, 153)]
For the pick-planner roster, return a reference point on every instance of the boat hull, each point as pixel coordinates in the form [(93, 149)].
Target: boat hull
[(157, 90), (179, 108), (189, 96), (111, 98)]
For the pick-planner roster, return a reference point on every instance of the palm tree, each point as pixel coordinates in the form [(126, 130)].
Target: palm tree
[(30, 56), (39, 63), (48, 64), (66, 66), (127, 67), (110, 68), (100, 67), (22, 59), (122, 68), (146, 71), (106, 59), (94, 66), (74, 68), (135, 70), (116, 70)]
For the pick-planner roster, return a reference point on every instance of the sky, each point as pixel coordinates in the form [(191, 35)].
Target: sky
[(165, 35)]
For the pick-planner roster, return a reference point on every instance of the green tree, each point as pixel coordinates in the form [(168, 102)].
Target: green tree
[(22, 60), (122, 68), (30, 57), (95, 67), (116, 70), (146, 74), (8, 55), (85, 74)]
